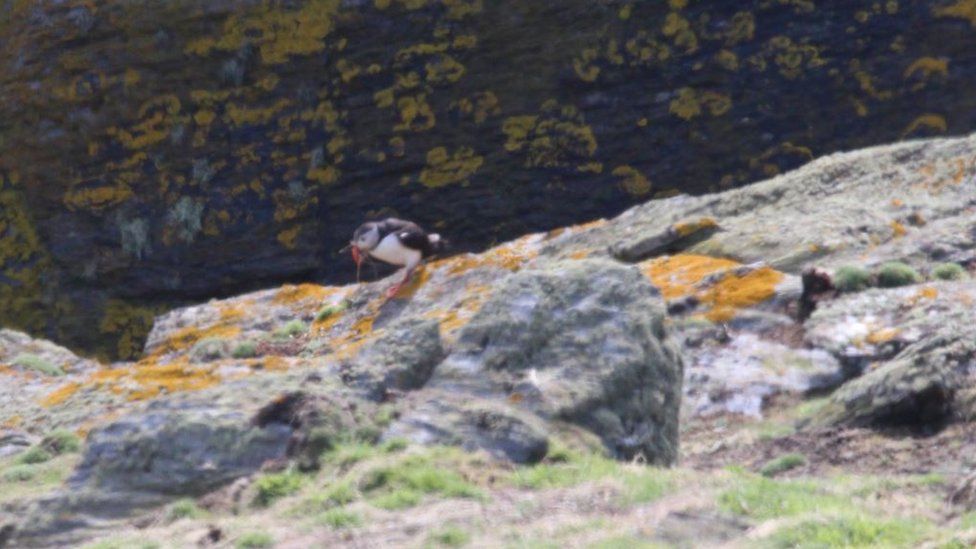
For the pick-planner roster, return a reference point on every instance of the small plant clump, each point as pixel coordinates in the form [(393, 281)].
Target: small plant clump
[(61, 441), (34, 455), (895, 274), (246, 349), (183, 509), (271, 488), (19, 473), (330, 310), (208, 350), (292, 329), (949, 271), (852, 279), (339, 518), (255, 540), (451, 536), (782, 464), (37, 364)]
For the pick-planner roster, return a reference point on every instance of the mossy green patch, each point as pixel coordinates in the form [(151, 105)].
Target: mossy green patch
[(184, 509), (895, 274), (61, 441), (949, 271), (273, 487), (254, 540), (37, 364), (852, 279), (782, 464), (340, 518), (34, 454), (291, 329), (849, 531), (450, 536), (245, 349)]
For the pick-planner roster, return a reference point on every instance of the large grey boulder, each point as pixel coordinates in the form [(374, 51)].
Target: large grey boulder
[(581, 341)]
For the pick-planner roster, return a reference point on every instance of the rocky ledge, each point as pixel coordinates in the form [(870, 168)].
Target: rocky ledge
[(847, 278)]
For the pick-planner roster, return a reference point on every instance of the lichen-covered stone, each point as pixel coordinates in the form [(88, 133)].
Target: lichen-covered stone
[(916, 347)]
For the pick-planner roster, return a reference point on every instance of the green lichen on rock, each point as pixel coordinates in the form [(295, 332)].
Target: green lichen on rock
[(37, 364)]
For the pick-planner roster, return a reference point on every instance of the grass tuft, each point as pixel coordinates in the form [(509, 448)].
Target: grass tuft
[(782, 464), (34, 454), (848, 531), (450, 536), (255, 540), (246, 349), (61, 441), (949, 271), (273, 487), (33, 362), (895, 273), (851, 279), (339, 518), (184, 509), (292, 329)]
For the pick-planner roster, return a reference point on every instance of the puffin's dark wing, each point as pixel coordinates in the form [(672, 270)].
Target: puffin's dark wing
[(414, 238), (393, 224)]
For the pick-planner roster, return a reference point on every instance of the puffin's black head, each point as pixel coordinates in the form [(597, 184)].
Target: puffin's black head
[(366, 237)]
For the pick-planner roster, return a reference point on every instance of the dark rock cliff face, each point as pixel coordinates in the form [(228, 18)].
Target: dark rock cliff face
[(157, 153)]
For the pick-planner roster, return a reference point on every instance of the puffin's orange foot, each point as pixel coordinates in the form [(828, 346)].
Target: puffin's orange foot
[(392, 292)]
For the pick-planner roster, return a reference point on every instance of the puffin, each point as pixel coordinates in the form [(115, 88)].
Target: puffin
[(397, 242)]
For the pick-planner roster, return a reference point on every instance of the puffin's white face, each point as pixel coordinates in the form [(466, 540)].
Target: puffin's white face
[(366, 237)]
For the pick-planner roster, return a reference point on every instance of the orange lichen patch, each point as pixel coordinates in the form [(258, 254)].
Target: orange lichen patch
[(734, 292), (688, 228), (292, 294), (677, 276), (187, 337), (898, 229), (897, 202), (60, 395), (884, 335), (590, 225), (155, 379), (509, 256), (416, 282), (12, 422), (927, 292), (273, 364), (580, 254)]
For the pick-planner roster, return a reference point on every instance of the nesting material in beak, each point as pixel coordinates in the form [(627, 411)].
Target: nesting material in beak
[(357, 257)]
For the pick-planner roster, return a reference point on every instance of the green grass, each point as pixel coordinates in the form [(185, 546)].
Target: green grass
[(337, 494), (61, 441), (254, 540), (405, 481), (851, 279), (849, 531), (564, 468), (273, 487), (292, 329), (762, 498), (339, 518), (450, 536), (949, 271), (37, 364), (35, 454), (19, 473), (184, 509), (44, 477), (246, 349), (895, 273), (782, 464)]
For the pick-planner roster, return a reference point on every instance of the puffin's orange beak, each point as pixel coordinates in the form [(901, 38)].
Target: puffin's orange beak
[(357, 256)]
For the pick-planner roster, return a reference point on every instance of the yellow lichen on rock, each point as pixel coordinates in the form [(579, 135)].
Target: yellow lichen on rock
[(733, 292), (961, 9), (685, 275), (632, 181), (444, 168)]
